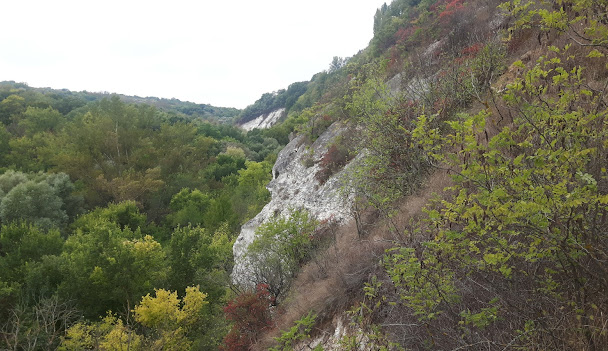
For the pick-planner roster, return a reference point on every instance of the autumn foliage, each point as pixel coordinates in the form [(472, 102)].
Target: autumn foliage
[(334, 160), (451, 8), (250, 313)]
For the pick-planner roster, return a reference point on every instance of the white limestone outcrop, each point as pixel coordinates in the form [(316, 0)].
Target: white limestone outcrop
[(294, 186), (264, 121)]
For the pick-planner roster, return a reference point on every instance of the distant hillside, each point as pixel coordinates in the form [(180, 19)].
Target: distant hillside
[(184, 109)]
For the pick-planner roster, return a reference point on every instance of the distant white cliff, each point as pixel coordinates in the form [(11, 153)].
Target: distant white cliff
[(264, 121)]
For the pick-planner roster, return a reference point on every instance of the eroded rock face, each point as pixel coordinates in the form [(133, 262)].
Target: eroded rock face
[(264, 121), (294, 187)]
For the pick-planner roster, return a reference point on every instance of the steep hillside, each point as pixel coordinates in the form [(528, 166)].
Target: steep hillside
[(474, 156)]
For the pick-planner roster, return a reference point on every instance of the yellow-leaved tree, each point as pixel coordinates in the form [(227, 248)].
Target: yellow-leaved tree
[(166, 320)]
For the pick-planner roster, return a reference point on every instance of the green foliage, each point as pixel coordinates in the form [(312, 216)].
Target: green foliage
[(422, 289), (23, 244), (300, 331), (29, 154), (260, 146), (524, 211), (221, 211), (196, 256), (46, 200), (393, 165), (389, 18), (250, 195), (279, 248), (38, 120), (26, 250), (124, 215), (133, 164), (579, 19), (109, 150), (11, 108), (4, 145), (225, 165), (188, 207), (110, 267)]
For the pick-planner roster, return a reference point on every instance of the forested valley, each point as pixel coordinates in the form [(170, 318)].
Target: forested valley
[(469, 140), (103, 202)]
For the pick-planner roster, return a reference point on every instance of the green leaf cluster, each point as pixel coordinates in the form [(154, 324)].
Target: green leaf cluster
[(524, 211)]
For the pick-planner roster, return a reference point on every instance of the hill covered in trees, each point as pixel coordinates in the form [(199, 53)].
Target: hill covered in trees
[(65, 100)]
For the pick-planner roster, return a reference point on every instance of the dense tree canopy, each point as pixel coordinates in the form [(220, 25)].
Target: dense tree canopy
[(102, 202)]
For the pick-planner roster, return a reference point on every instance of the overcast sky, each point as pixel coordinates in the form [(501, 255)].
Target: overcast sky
[(224, 53)]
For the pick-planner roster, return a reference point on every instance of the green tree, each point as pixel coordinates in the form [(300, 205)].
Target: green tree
[(125, 215), (38, 120), (224, 165), (392, 166), (524, 212), (110, 149), (188, 207), (110, 267), (44, 199), (35, 202), (11, 108), (23, 249), (22, 244), (280, 247), (190, 254), (250, 195), (29, 154), (220, 211), (5, 137)]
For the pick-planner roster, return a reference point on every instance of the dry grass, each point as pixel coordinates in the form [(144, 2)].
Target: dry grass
[(333, 280)]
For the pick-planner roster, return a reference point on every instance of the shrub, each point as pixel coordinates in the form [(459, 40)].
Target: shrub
[(250, 313), (336, 157), (451, 8), (281, 246), (300, 331)]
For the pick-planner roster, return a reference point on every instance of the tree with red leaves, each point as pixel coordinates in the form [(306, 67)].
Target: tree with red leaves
[(451, 8), (250, 313)]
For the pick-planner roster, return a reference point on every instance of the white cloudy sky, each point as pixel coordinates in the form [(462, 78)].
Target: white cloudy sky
[(225, 53)]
